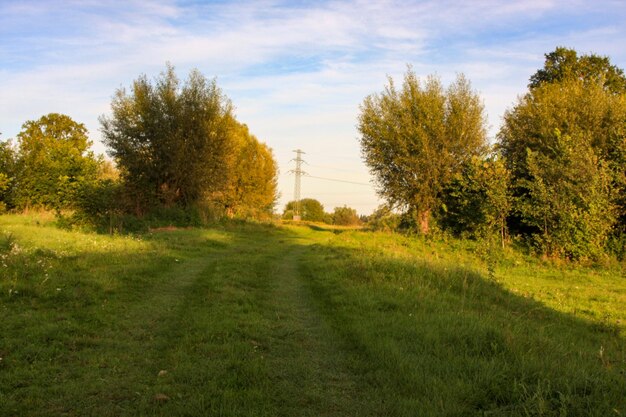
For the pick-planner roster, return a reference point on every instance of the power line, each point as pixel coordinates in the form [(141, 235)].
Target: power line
[(333, 168), (363, 192), (338, 180), (345, 158)]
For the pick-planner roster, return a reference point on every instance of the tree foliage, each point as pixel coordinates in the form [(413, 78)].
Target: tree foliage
[(53, 161), (476, 202), (177, 144), (568, 199), (565, 64), (310, 210), (8, 170), (416, 138), (170, 139), (384, 219), (252, 181), (345, 216), (565, 146)]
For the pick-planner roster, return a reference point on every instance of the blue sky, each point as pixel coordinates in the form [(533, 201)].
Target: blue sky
[(295, 71)]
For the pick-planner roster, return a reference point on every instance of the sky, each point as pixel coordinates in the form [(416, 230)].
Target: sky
[(296, 72)]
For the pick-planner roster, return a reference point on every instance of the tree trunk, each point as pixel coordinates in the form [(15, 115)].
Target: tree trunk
[(423, 219)]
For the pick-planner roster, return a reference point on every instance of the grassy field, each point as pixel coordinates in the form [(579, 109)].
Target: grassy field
[(259, 320)]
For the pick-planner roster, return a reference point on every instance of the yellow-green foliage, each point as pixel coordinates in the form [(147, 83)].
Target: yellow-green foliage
[(53, 162), (177, 144), (251, 188), (415, 138), (565, 145), (345, 216)]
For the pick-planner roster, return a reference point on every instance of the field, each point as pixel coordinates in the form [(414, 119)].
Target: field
[(264, 320)]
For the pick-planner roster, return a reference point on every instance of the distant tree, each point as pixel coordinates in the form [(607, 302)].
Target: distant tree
[(53, 160), (476, 202), (564, 63), (345, 216), (310, 210), (384, 219), (415, 139), (171, 141), (108, 171)]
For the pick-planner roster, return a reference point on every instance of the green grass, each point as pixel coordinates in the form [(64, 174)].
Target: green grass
[(257, 320)]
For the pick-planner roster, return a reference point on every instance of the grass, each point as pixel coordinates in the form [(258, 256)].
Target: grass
[(244, 319)]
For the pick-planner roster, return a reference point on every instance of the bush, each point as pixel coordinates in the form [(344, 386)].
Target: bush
[(384, 219), (345, 216), (476, 201)]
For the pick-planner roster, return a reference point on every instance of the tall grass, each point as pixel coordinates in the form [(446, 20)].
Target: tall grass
[(438, 334), (249, 319)]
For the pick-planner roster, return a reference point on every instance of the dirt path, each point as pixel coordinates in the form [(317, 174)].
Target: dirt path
[(308, 363)]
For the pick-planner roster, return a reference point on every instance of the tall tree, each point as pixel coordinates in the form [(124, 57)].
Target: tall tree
[(170, 139), (416, 138), (53, 159), (576, 125), (251, 189)]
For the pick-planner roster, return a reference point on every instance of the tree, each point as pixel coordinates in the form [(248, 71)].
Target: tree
[(310, 210), (171, 141), (252, 181), (564, 139), (345, 216), (564, 63), (414, 140), (53, 160)]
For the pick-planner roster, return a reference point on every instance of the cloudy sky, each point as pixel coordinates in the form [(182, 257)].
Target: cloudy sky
[(295, 71)]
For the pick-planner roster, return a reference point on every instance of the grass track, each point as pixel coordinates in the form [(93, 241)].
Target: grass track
[(255, 320)]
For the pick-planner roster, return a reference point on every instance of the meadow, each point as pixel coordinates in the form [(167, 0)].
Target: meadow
[(245, 319)]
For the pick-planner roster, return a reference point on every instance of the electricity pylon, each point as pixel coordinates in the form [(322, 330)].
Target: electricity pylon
[(296, 190)]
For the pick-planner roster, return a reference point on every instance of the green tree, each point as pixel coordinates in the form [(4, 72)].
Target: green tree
[(554, 117), (416, 138), (53, 160), (568, 199), (310, 210), (345, 216), (170, 140), (8, 170), (476, 202), (564, 63), (573, 107)]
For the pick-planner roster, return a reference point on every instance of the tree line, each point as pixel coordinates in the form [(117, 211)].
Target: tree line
[(312, 210), (178, 152), (555, 178)]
